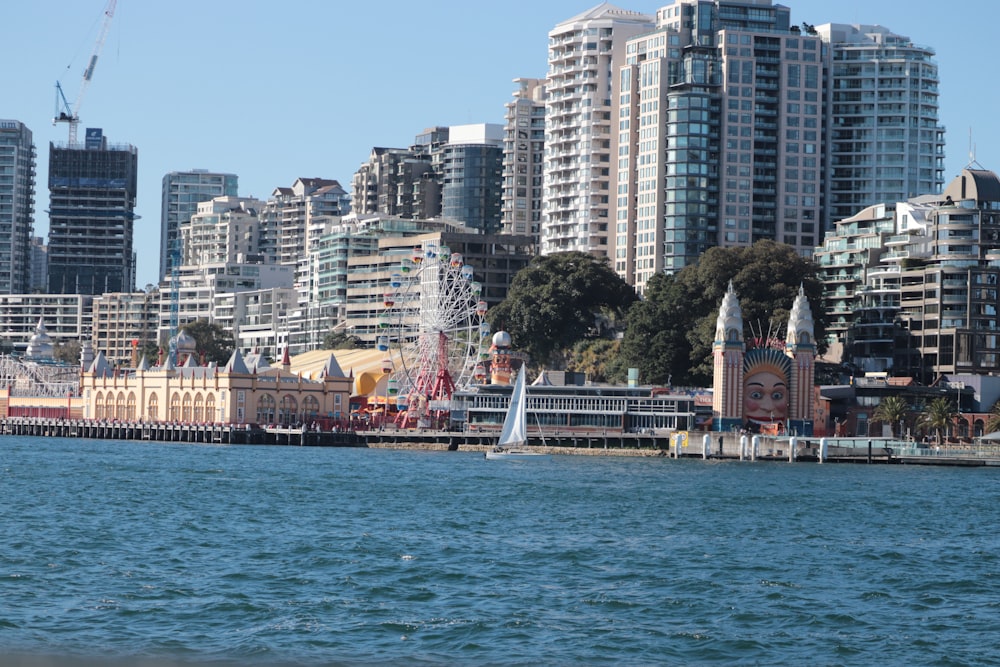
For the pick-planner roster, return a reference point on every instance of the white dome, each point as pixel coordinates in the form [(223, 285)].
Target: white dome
[(501, 339)]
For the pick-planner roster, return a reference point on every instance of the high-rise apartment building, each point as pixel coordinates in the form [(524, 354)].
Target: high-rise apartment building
[(886, 142), (721, 131), (585, 53), (224, 229), (398, 182), (926, 303), (472, 175), (92, 189), (523, 156), (17, 205), (292, 223), (181, 193)]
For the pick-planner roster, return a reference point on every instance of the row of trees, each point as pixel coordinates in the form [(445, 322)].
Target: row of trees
[(572, 311)]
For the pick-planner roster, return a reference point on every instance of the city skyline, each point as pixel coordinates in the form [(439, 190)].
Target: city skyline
[(226, 101)]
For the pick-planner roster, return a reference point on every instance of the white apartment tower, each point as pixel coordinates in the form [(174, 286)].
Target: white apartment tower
[(523, 154), (585, 53), (886, 142)]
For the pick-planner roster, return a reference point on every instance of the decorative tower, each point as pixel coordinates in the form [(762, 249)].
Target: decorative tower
[(800, 346), (728, 350), (500, 371)]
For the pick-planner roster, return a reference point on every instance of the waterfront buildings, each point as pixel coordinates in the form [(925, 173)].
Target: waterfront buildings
[(925, 299), (581, 129), (92, 190), (245, 390), (182, 192), (17, 205)]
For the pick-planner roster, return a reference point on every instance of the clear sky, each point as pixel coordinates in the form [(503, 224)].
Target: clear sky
[(305, 88)]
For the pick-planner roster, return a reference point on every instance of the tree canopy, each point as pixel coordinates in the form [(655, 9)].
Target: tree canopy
[(558, 300), (671, 331), (338, 340)]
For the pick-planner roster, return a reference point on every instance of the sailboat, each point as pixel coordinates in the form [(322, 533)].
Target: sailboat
[(513, 441)]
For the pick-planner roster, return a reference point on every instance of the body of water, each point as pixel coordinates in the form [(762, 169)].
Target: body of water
[(280, 555)]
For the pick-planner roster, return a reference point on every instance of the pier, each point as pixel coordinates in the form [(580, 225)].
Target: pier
[(676, 445), (219, 434)]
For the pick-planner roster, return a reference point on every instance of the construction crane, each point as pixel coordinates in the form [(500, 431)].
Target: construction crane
[(71, 114)]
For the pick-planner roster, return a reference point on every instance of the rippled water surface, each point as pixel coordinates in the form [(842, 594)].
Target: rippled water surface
[(278, 555)]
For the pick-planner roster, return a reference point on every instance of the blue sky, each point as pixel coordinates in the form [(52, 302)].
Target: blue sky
[(305, 88)]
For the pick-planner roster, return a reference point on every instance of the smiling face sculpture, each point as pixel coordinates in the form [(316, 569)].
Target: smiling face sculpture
[(765, 386)]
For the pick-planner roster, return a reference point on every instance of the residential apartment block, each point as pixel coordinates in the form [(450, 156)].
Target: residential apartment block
[(17, 205), (581, 127), (927, 304), (720, 137), (182, 192), (886, 141), (523, 157)]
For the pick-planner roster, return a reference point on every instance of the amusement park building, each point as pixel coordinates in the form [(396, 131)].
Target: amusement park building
[(237, 393)]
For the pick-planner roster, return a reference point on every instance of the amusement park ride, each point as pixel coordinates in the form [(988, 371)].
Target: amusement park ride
[(433, 332)]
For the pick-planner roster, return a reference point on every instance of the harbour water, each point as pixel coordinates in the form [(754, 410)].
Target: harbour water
[(316, 556)]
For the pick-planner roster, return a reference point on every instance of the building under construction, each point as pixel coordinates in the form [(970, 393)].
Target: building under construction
[(92, 189)]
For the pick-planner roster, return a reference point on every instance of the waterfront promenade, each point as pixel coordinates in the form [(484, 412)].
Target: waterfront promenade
[(684, 445)]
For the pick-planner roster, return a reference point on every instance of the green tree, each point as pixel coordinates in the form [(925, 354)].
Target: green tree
[(67, 351), (214, 343), (681, 325), (892, 410), (938, 416), (599, 358), (338, 340), (652, 344), (560, 299)]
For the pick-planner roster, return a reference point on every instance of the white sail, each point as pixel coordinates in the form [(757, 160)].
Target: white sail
[(515, 425)]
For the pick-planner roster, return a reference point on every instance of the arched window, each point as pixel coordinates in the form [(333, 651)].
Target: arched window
[(288, 412), (109, 406), (310, 409), (199, 408), (99, 406), (265, 409), (186, 408), (175, 408), (210, 408), (130, 407), (153, 408), (120, 407)]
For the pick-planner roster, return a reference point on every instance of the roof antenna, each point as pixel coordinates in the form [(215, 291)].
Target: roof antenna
[(972, 153)]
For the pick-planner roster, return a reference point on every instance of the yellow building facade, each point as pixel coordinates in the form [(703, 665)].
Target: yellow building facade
[(244, 391)]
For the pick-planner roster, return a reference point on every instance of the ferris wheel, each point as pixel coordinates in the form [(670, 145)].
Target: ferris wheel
[(433, 332)]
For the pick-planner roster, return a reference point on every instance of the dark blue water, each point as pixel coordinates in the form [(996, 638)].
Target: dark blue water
[(279, 555)]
